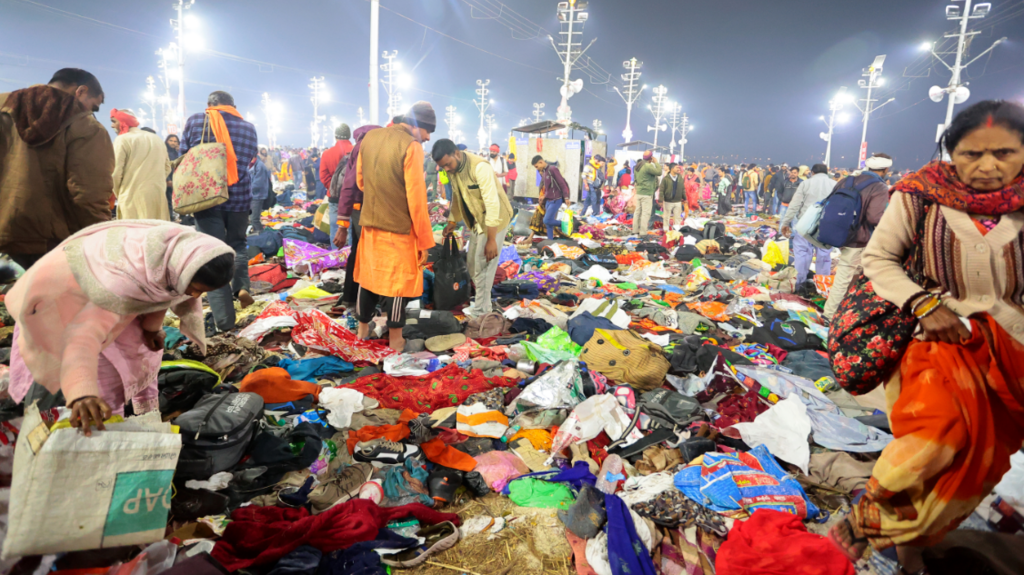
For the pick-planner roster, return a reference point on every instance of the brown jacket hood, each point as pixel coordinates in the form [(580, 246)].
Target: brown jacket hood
[(40, 112)]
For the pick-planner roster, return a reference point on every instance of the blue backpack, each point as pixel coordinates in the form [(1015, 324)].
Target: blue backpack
[(841, 212)]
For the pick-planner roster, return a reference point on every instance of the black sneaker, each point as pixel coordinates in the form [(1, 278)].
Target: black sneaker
[(384, 452)]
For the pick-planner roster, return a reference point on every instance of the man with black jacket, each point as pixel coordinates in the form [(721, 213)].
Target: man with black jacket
[(672, 192), (873, 199), (787, 189)]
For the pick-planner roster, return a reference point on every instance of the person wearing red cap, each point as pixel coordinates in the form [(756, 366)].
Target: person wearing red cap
[(499, 165), (141, 167)]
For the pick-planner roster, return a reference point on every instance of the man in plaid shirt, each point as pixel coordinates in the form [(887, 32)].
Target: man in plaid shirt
[(228, 221)]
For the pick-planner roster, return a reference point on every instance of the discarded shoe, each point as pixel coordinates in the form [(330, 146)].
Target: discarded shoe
[(340, 488), (440, 537), (384, 452), (443, 482)]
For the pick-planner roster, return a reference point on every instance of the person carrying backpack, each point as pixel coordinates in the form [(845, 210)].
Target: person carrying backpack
[(874, 199), (330, 162), (810, 192)]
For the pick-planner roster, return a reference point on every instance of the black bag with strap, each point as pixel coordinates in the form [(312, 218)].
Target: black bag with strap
[(451, 277)]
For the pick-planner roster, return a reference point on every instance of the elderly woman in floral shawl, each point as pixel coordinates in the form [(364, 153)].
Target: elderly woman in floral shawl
[(956, 401), (89, 313)]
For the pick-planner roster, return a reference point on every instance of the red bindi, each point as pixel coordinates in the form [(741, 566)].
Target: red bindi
[(990, 122)]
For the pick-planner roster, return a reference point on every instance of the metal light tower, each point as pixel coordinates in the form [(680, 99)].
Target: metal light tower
[(632, 94), (166, 54), (491, 125), (150, 97), (394, 97), (524, 122), (538, 112), (483, 104), (314, 127), (834, 105), (958, 92), (269, 107), (451, 119), (684, 129), (597, 127), (374, 68), (675, 122), (361, 116), (658, 110), (874, 80), (179, 27), (571, 16)]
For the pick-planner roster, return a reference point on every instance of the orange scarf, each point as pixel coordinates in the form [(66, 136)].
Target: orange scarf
[(220, 132)]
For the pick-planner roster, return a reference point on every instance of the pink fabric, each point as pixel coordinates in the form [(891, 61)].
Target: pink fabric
[(500, 467), (93, 295), (318, 259)]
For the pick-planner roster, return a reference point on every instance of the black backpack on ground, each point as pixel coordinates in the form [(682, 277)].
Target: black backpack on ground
[(714, 230), (608, 262), (426, 324), (182, 386), (451, 277), (216, 433)]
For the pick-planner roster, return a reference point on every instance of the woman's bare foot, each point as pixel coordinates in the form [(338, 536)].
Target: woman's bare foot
[(245, 299), (850, 542)]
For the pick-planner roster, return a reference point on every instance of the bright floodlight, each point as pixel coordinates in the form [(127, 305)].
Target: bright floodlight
[(821, 117), (843, 118), (191, 21), (195, 42), (404, 81), (396, 66), (926, 46), (323, 95), (880, 81)]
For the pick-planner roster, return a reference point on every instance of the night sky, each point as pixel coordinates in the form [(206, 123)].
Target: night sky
[(754, 77)]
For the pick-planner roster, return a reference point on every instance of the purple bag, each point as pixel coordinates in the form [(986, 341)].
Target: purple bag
[(318, 259), (545, 283)]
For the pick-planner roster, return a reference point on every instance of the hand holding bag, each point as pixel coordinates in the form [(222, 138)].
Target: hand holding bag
[(201, 179), (451, 277), (869, 334)]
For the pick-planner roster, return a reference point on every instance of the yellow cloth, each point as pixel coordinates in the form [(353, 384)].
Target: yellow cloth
[(220, 131)]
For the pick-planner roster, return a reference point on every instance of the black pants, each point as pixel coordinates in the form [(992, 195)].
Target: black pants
[(351, 289), (393, 307)]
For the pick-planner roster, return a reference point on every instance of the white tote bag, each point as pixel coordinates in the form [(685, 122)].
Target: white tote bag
[(70, 492)]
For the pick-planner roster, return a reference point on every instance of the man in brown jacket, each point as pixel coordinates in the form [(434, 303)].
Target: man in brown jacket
[(874, 199), (56, 163)]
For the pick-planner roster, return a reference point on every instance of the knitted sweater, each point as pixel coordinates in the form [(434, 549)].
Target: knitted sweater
[(975, 273)]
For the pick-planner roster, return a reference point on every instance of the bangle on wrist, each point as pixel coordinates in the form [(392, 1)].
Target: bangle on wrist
[(927, 308), (929, 312)]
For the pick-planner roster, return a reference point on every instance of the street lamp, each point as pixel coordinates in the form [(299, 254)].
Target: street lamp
[(834, 105)]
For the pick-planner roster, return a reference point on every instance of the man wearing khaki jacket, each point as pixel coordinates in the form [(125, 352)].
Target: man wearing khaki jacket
[(56, 162), (479, 201)]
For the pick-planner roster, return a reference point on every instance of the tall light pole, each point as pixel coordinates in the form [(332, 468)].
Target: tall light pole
[(269, 108), (571, 16), (491, 125), (657, 108), (874, 80), (450, 119), (538, 112), (597, 126), (957, 91), (675, 122), (314, 127), (394, 97), (834, 105), (684, 129), (150, 98), (374, 68), (361, 116), (483, 104), (179, 26), (631, 78)]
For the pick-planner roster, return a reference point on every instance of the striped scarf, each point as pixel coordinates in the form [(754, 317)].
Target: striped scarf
[(939, 183)]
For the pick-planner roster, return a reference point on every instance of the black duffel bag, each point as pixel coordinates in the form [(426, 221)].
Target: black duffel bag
[(451, 277), (216, 433)]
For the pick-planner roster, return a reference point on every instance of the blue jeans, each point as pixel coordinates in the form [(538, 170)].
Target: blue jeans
[(332, 214), (594, 200), (228, 227), (803, 252), (750, 205), (448, 192), (254, 216), (775, 205), (551, 216)]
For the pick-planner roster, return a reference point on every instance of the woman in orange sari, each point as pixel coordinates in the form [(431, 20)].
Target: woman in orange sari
[(956, 403)]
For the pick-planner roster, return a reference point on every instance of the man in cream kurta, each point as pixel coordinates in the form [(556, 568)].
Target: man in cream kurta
[(140, 176), (479, 201)]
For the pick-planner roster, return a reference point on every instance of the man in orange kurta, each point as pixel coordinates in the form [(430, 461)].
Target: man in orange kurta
[(396, 230)]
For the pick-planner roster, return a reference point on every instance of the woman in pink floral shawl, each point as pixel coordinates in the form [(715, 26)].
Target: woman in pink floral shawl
[(89, 313)]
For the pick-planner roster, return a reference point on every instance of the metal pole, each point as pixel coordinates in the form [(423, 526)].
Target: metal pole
[(181, 65), (954, 81), (828, 147), (629, 103), (374, 66), (482, 105), (682, 140)]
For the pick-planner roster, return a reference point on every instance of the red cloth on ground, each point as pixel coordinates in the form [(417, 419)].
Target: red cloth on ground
[(261, 535), (446, 387), (776, 542), (439, 452), (275, 385)]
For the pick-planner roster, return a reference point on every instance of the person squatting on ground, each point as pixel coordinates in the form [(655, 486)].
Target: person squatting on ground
[(90, 313)]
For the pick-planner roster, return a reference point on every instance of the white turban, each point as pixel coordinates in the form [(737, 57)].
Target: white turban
[(878, 163)]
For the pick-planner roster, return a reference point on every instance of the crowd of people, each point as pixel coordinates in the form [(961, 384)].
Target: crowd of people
[(106, 246)]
